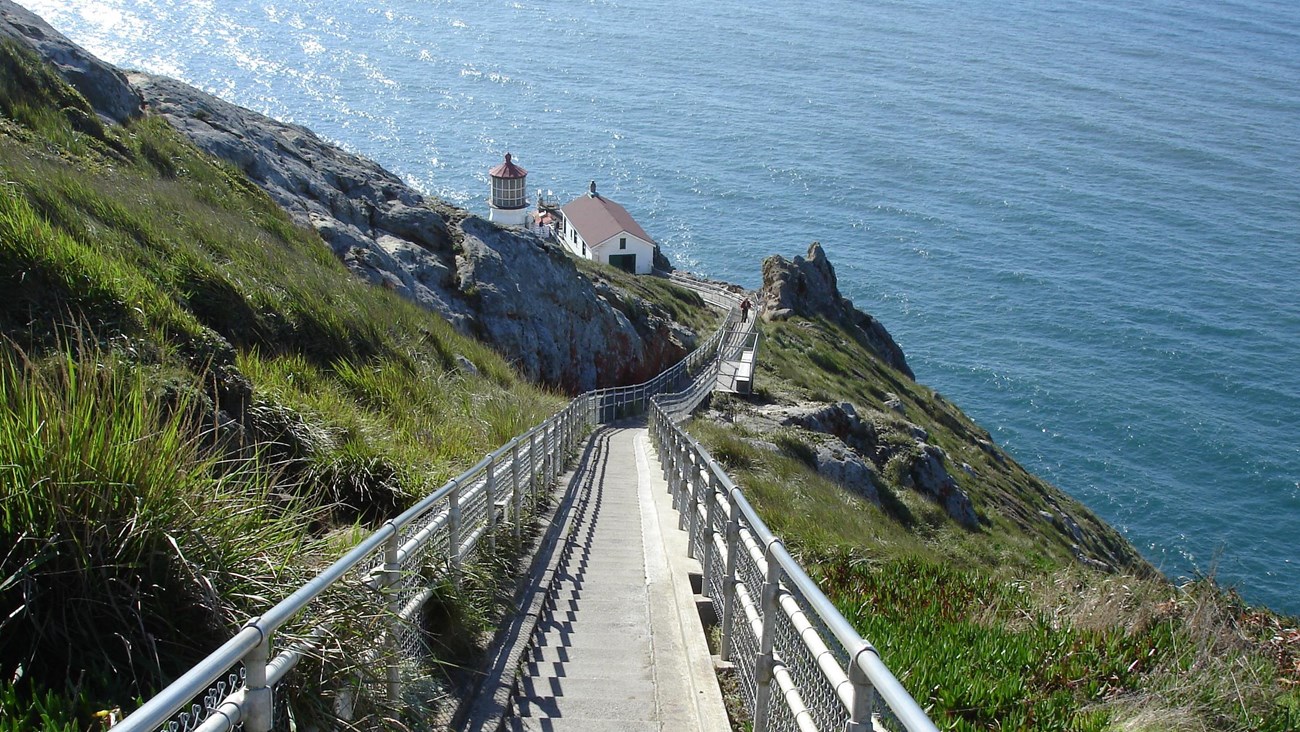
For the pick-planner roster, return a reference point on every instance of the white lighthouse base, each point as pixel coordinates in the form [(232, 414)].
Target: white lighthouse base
[(508, 216)]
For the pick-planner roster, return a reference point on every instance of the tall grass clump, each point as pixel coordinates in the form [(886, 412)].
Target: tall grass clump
[(34, 96), (128, 549)]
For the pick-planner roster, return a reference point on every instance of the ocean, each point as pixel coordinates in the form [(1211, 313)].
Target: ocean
[(1081, 220)]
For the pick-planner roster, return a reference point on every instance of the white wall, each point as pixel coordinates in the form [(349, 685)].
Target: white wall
[(507, 216), (644, 251)]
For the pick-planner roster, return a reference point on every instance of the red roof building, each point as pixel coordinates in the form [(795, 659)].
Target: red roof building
[(599, 229)]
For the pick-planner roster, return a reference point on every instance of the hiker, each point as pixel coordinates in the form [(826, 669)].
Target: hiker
[(744, 310)]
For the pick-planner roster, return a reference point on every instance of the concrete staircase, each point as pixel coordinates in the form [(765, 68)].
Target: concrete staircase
[(620, 645)]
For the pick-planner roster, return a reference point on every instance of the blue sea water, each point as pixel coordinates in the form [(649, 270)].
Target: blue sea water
[(1081, 220)]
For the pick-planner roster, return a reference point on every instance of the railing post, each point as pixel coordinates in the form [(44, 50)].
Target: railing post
[(710, 517), (864, 695), (490, 487), (532, 468), (559, 442), (567, 424), (667, 456), (259, 699), (392, 576), (693, 524), (675, 474), (453, 530), (729, 581), (548, 456), (764, 663), (562, 424), (684, 467), (518, 495)]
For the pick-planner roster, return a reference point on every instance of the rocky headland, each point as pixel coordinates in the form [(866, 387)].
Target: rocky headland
[(505, 286)]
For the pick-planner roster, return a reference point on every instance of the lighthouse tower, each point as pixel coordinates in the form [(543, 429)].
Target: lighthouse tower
[(508, 205)]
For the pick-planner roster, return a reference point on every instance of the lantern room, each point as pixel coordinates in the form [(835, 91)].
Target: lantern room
[(509, 202)]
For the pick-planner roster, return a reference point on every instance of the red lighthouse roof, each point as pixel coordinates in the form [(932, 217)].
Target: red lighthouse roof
[(507, 170)]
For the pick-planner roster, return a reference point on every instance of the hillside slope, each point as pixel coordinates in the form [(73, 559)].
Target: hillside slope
[(999, 601), (200, 402)]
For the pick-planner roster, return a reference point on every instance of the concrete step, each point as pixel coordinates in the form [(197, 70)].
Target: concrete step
[(572, 583), (564, 724), (594, 707), (606, 562), (586, 688), (597, 605), (568, 623), (609, 657), (598, 638), (634, 669)]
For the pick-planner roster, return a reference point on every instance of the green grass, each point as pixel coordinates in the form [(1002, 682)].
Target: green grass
[(201, 403), (656, 293), (116, 517)]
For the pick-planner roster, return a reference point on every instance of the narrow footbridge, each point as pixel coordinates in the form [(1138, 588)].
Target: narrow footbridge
[(643, 535)]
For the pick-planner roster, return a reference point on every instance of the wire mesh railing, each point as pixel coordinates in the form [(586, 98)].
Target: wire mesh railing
[(390, 575), (799, 664)]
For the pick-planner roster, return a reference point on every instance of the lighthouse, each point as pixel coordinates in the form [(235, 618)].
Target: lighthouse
[(508, 204)]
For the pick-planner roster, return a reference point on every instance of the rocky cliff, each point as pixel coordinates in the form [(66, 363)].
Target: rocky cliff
[(522, 295)]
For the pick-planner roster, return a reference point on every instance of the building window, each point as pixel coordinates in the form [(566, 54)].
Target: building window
[(622, 242)]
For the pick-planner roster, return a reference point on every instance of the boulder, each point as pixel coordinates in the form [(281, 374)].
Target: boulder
[(526, 317), (874, 443), (837, 462)]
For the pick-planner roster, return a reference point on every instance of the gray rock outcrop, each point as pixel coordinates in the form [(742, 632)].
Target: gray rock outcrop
[(838, 462), (100, 83), (929, 475), (521, 295), (508, 287), (875, 440), (807, 287)]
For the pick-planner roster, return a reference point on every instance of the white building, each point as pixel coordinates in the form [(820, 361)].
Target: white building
[(597, 228), (508, 204)]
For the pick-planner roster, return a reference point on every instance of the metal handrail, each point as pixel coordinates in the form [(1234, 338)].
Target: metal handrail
[(522, 459), (706, 496)]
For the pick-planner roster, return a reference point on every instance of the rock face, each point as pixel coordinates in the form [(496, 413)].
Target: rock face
[(807, 287), (101, 84), (521, 295), (860, 444)]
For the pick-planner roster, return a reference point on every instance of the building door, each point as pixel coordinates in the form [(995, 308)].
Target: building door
[(625, 262)]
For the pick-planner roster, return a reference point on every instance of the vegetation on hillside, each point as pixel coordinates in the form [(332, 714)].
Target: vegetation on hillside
[(684, 306), (1000, 627), (200, 404)]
